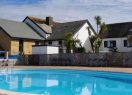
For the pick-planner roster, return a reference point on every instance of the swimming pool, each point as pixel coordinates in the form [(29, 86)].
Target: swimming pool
[(66, 82)]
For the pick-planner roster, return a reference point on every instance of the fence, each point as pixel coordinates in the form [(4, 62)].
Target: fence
[(83, 59)]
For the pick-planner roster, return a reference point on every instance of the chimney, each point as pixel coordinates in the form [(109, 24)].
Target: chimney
[(49, 21)]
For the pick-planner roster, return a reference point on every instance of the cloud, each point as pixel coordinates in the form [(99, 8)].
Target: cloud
[(66, 10)]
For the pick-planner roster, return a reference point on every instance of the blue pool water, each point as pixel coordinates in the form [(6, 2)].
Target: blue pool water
[(66, 82)]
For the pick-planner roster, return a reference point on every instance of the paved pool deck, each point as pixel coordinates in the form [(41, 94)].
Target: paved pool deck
[(108, 69)]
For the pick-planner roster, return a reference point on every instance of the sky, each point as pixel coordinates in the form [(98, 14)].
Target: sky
[(111, 11)]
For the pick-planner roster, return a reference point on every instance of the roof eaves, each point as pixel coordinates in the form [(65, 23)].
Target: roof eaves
[(6, 32), (79, 28), (53, 39), (91, 27), (27, 38), (86, 21)]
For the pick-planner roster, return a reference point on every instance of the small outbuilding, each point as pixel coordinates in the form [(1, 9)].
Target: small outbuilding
[(45, 50)]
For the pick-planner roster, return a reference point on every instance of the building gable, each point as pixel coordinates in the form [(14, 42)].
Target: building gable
[(34, 26), (61, 29)]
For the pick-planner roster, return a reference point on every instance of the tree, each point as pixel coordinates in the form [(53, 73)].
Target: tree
[(70, 42), (92, 40), (103, 28), (98, 22), (96, 38)]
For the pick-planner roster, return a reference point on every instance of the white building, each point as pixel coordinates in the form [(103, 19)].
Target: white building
[(117, 37), (54, 32)]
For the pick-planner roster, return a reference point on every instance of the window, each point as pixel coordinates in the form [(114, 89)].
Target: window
[(129, 44), (125, 43), (105, 43), (110, 44), (50, 43), (60, 42)]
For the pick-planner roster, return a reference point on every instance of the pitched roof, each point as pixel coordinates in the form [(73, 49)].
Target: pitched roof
[(41, 23), (61, 29), (37, 20), (21, 30), (18, 30), (118, 30)]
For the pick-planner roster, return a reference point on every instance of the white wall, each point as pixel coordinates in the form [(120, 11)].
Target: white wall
[(45, 50), (83, 36), (52, 50), (119, 45), (54, 43), (34, 26)]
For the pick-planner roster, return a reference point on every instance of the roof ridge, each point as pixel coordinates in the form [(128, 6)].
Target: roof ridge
[(9, 20), (73, 21), (119, 23), (36, 19)]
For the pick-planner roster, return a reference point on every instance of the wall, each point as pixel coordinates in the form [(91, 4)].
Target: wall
[(13, 45), (5, 41), (83, 36), (34, 26), (28, 47), (54, 43), (52, 50), (61, 47), (119, 44), (83, 59), (45, 50)]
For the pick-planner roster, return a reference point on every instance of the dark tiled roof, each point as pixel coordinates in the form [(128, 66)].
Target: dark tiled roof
[(60, 29), (118, 30), (18, 30)]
